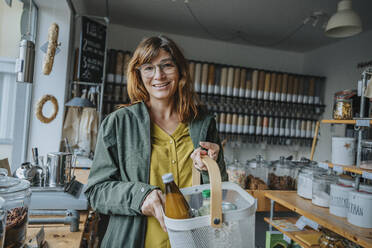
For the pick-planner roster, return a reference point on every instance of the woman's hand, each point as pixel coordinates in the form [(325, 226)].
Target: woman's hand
[(152, 206), (213, 150)]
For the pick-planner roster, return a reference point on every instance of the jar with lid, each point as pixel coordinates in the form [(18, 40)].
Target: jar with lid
[(342, 108), (298, 165), (281, 175), (257, 171), (237, 173), (329, 239), (321, 189), (305, 180), (17, 195), (366, 158), (2, 222)]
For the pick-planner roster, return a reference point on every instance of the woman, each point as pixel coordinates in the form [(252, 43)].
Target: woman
[(161, 131)]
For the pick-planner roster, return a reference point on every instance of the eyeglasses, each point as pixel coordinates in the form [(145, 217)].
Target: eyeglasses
[(148, 70)]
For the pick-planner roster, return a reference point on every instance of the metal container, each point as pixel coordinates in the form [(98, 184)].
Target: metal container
[(322, 189), (25, 62), (366, 159), (17, 195), (59, 165)]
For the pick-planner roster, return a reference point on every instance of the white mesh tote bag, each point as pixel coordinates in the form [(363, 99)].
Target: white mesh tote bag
[(225, 229)]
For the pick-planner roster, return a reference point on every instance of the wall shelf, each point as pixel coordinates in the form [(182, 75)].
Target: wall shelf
[(349, 168), (290, 200)]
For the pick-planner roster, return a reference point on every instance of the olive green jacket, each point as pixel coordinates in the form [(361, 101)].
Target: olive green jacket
[(119, 178)]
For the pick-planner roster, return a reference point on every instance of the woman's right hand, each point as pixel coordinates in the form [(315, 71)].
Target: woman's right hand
[(152, 206)]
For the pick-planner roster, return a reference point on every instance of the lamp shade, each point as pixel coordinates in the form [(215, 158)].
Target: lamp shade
[(80, 102), (345, 22)]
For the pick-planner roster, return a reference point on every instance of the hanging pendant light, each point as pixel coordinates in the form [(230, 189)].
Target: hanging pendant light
[(345, 22)]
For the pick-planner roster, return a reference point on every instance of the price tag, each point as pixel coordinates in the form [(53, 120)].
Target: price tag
[(362, 123), (337, 168), (286, 238), (303, 221), (323, 165), (367, 175)]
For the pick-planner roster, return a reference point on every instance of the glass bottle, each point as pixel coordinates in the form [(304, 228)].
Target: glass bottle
[(176, 206)]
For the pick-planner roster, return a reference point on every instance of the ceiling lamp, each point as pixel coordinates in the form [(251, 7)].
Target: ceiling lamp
[(345, 22)]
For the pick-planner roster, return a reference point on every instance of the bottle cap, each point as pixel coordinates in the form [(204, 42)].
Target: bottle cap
[(206, 193), (167, 178)]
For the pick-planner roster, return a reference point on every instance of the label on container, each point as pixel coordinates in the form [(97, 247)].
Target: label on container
[(303, 221), (272, 96), (276, 131), (234, 128), (305, 100), (323, 165), (204, 88), (118, 78), (264, 130), (258, 130), (229, 90), (287, 131), (300, 98), (259, 94), (240, 129), (294, 98), (254, 94), (210, 89), (241, 92), (266, 95), (197, 87), (281, 131), (289, 97), (316, 100), (247, 93), (283, 97), (286, 238), (245, 129), (303, 133), (270, 131), (337, 168), (251, 129), (311, 99), (367, 175), (236, 92), (222, 127), (277, 96), (110, 78), (222, 90), (217, 90)]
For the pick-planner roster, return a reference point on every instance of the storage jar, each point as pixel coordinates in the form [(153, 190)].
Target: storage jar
[(257, 171), (366, 159), (339, 199), (17, 195), (281, 175), (305, 180), (343, 150), (359, 211), (237, 173), (342, 109), (321, 189)]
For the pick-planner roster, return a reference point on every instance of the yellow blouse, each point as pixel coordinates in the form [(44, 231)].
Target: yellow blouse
[(170, 154)]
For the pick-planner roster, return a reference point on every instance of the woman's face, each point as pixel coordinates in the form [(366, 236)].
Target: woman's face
[(160, 77)]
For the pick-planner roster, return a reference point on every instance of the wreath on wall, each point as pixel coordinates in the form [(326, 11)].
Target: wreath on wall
[(40, 105)]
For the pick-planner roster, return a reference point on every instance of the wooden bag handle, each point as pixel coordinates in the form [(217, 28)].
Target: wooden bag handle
[(216, 189)]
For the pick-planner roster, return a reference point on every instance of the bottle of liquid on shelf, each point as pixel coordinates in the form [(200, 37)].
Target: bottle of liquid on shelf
[(176, 206)]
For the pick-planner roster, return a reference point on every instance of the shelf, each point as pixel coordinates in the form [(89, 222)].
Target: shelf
[(263, 204), (353, 122), (292, 234), (290, 200), (349, 168)]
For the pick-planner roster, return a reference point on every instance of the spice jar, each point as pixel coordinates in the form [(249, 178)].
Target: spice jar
[(342, 109), (281, 175), (366, 159), (257, 171), (17, 195), (321, 189), (330, 239), (237, 173)]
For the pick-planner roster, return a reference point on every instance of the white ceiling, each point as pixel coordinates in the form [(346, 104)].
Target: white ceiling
[(250, 22)]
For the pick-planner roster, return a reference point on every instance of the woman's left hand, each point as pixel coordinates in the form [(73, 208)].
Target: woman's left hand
[(213, 150)]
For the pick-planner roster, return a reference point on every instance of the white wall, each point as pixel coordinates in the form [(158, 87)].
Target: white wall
[(338, 63), (47, 137), (121, 37)]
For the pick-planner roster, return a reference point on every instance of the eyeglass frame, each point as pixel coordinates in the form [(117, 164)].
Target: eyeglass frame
[(160, 66)]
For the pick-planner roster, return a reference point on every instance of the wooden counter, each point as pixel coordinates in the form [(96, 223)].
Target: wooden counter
[(59, 235)]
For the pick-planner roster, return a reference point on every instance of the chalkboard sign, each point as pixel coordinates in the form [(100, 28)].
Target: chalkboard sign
[(91, 51)]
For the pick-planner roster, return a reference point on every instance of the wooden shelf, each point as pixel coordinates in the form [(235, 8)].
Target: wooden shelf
[(292, 234), (263, 204), (351, 122), (290, 200), (349, 168)]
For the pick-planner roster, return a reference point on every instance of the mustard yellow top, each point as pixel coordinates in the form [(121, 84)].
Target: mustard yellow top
[(169, 154)]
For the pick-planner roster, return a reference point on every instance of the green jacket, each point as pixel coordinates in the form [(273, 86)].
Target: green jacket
[(119, 178)]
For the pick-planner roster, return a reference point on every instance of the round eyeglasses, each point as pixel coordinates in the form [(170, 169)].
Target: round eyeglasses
[(149, 70)]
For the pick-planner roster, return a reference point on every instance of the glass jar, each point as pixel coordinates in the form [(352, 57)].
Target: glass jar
[(2, 222), (305, 180), (322, 188), (298, 165), (342, 109), (237, 173), (366, 158), (329, 239), (281, 175), (257, 171), (17, 195)]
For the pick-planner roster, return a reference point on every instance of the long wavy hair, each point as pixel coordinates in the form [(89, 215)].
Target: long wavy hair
[(186, 101)]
